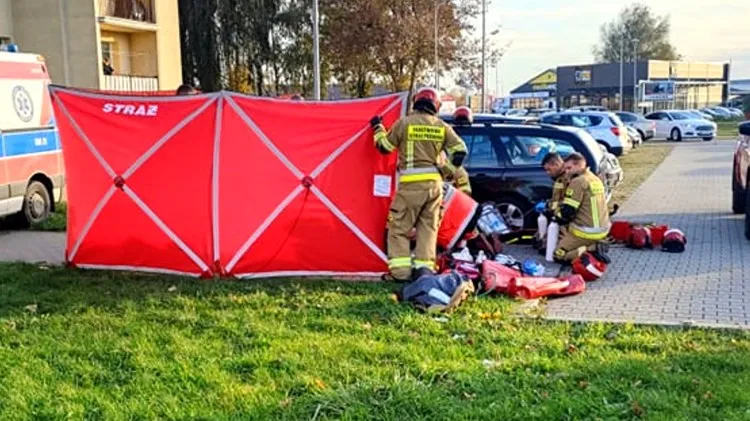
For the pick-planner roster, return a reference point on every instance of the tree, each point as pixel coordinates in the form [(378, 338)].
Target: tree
[(201, 64), (636, 26), (349, 48), (392, 39)]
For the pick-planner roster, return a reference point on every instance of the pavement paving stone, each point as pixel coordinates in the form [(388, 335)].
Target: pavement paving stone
[(709, 283)]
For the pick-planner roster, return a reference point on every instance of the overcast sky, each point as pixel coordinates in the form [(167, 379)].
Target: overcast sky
[(549, 33)]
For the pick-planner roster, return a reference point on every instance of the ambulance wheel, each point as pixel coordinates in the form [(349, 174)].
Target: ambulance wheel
[(37, 204), (516, 212)]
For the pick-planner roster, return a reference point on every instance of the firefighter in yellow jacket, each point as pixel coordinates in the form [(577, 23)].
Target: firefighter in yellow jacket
[(584, 211), (458, 177), (419, 139)]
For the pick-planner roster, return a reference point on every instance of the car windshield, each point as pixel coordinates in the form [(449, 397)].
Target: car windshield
[(681, 116), (627, 117)]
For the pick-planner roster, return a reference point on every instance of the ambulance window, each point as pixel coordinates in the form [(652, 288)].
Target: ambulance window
[(481, 152)]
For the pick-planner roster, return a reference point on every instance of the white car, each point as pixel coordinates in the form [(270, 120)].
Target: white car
[(605, 127), (679, 125)]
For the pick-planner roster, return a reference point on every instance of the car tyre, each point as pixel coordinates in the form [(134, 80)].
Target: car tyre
[(37, 204), (738, 195), (747, 211), (516, 211), (676, 135), (708, 139)]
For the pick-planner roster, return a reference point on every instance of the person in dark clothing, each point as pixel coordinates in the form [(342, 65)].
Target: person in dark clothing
[(186, 89)]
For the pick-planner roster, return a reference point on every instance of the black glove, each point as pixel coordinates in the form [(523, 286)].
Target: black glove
[(376, 121)]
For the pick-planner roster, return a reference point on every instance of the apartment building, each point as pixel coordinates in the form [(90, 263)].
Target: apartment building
[(122, 45)]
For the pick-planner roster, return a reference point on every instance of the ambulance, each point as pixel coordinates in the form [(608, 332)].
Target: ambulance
[(31, 166)]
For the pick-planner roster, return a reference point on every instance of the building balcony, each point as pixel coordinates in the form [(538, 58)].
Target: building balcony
[(127, 15), (126, 83)]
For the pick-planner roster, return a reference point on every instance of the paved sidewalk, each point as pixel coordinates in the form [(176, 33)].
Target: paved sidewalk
[(709, 284), (32, 246)]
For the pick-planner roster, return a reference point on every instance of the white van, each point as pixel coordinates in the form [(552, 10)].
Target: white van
[(31, 165)]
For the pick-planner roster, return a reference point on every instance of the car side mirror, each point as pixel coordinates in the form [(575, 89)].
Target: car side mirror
[(745, 128)]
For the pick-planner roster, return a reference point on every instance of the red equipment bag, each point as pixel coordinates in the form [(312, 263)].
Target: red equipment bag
[(657, 234), (497, 277), (458, 211), (529, 288), (620, 231), (590, 266), (640, 238), (576, 285)]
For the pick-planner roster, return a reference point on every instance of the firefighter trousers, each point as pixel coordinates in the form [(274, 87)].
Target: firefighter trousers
[(571, 247), (416, 205)]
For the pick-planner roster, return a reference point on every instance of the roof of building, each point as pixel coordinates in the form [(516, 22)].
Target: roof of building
[(544, 81)]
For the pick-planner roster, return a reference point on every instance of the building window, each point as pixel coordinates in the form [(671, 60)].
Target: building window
[(107, 66), (106, 50), (5, 41)]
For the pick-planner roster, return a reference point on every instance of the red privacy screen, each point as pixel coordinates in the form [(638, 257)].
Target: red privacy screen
[(225, 184)]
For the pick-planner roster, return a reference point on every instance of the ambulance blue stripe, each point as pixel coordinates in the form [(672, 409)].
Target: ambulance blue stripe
[(28, 143)]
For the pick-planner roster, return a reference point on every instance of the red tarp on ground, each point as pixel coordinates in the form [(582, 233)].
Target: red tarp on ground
[(225, 184)]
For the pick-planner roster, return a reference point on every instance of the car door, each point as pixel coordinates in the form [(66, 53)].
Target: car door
[(661, 123), (482, 162)]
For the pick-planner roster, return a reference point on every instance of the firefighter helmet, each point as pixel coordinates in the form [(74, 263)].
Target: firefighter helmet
[(674, 241), (463, 115), (428, 98), (591, 266)]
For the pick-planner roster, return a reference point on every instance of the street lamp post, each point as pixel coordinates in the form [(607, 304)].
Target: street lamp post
[(622, 64), (316, 51), (437, 62), (635, 75), (484, 18)]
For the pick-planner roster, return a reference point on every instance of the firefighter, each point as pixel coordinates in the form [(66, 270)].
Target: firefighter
[(583, 211), (554, 166), (419, 139), (457, 176)]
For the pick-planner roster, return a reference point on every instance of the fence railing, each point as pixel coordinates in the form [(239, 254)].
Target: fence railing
[(137, 10), (131, 83)]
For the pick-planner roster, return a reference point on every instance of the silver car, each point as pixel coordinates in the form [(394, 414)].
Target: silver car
[(646, 128)]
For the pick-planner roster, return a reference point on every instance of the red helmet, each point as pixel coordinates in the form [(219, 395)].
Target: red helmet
[(590, 266), (674, 241), (463, 115), (640, 238), (430, 96)]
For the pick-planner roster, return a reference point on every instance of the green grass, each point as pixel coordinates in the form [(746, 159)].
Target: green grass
[(727, 128), (57, 221), (637, 166), (102, 346)]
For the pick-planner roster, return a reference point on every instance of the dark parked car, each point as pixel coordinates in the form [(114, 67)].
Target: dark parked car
[(504, 164), (741, 176)]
